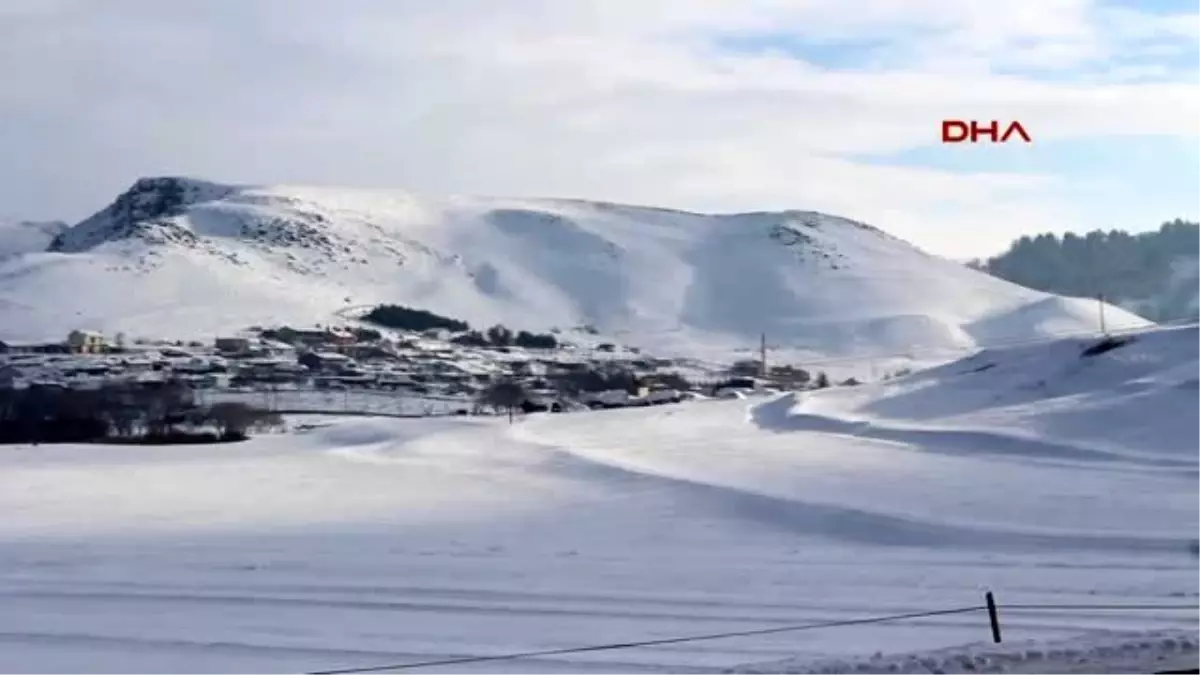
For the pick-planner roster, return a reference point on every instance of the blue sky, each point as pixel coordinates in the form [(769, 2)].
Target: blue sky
[(1154, 6), (1132, 183), (716, 106)]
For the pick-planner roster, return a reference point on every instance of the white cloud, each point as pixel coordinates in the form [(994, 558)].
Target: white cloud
[(609, 99)]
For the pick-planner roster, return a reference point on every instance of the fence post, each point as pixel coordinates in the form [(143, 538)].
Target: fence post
[(993, 617)]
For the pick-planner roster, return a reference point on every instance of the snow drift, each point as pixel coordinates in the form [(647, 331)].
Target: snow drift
[(191, 257)]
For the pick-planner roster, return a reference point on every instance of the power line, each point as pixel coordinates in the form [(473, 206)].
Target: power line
[(646, 643), (749, 633), (1097, 607)]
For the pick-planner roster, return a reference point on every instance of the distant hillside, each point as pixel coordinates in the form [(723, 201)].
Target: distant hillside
[(1154, 274), (177, 257), (27, 236)]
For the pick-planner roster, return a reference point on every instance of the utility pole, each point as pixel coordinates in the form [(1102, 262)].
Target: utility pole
[(1103, 328), (762, 363)]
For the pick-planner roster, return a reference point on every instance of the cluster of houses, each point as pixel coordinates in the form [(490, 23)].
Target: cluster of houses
[(344, 358)]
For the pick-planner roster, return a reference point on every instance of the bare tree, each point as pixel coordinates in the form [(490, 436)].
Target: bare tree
[(504, 395), (166, 406), (233, 418)]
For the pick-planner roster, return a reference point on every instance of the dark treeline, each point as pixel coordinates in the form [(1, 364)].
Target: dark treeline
[(407, 318), (399, 317), (123, 413), (1151, 273), (500, 336)]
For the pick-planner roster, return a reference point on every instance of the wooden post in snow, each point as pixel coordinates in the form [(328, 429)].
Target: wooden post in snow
[(993, 616)]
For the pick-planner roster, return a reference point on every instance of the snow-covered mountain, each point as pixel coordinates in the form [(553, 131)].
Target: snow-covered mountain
[(176, 257)]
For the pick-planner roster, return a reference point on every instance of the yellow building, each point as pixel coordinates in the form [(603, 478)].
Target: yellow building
[(86, 342)]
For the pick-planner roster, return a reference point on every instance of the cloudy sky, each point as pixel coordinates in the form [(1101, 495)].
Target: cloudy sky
[(711, 105)]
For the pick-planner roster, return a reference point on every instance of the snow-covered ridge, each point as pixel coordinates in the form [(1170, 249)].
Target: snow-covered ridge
[(144, 210), (195, 257)]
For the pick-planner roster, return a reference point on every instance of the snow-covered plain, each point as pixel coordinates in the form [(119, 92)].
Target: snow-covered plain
[(1045, 476), (185, 259)]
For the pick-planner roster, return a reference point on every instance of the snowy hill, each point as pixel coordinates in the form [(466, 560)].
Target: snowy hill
[(1046, 474), (1144, 387), (186, 258)]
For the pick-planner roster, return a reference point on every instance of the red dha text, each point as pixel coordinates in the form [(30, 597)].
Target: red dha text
[(958, 131)]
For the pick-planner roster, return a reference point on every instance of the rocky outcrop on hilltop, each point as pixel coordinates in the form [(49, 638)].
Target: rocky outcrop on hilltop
[(144, 211)]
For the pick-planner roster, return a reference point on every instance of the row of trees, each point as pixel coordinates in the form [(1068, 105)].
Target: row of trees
[(1153, 273), (501, 336), (118, 412)]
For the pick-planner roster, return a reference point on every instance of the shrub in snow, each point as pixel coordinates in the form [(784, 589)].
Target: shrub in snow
[(1106, 345)]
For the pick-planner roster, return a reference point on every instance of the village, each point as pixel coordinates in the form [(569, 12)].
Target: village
[(361, 369)]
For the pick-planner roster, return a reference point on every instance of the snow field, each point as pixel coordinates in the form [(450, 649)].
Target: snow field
[(358, 542), (373, 544)]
